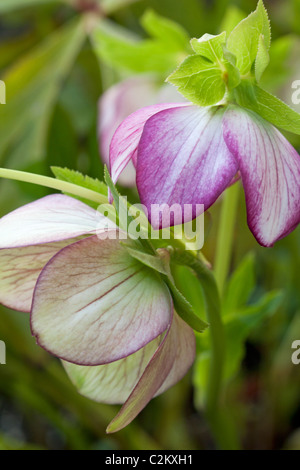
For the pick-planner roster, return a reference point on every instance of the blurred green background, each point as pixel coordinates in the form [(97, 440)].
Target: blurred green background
[(54, 79)]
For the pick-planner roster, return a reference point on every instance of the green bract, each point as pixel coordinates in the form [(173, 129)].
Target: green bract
[(224, 70)]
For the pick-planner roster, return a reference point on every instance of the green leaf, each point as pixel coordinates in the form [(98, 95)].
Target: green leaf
[(199, 81), (184, 308), (210, 46), (75, 177), (244, 39), (7, 5), (32, 85), (268, 107), (154, 262), (239, 327), (126, 52), (262, 58), (240, 286), (233, 16), (165, 30)]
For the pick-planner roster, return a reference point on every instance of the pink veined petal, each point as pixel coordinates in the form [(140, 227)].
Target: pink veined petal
[(115, 105), (125, 141), (270, 170), (168, 365), (19, 271), (182, 159), (95, 304), (50, 219)]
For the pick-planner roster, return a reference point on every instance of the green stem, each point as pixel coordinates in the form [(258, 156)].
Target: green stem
[(212, 301), (225, 235), (53, 183)]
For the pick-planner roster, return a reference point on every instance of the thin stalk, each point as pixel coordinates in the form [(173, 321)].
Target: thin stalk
[(225, 235)]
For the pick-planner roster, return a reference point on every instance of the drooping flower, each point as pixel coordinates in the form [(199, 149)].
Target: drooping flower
[(106, 315), (187, 154), (122, 99)]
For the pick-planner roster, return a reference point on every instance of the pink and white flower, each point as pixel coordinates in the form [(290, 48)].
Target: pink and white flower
[(122, 99), (185, 154), (106, 315)]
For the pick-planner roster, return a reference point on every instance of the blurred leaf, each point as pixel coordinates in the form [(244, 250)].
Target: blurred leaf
[(240, 286), (33, 84), (7, 5), (123, 51), (233, 16), (165, 30)]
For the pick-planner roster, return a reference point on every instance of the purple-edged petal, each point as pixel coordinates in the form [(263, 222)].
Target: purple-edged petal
[(123, 147), (270, 170), (115, 105), (52, 218), (139, 377), (19, 271), (95, 304), (182, 159)]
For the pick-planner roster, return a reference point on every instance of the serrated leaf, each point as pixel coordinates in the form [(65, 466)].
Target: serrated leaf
[(153, 262), (75, 177), (244, 39), (184, 308), (269, 107), (199, 81), (210, 46), (262, 58)]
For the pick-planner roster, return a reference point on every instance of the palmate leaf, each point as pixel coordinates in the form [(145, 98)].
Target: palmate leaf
[(33, 84)]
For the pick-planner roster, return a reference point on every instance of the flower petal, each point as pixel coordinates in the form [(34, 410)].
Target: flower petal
[(95, 304), (19, 271), (144, 374), (169, 364), (52, 218), (270, 170), (115, 105), (182, 159), (125, 141)]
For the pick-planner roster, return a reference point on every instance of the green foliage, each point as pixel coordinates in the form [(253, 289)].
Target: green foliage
[(32, 86), (244, 40), (269, 107), (159, 54), (199, 81)]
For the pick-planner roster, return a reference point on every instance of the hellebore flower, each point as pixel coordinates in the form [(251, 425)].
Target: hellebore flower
[(106, 315), (187, 154), (122, 99)]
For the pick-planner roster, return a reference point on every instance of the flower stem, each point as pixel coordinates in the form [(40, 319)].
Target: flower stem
[(225, 235), (53, 183)]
